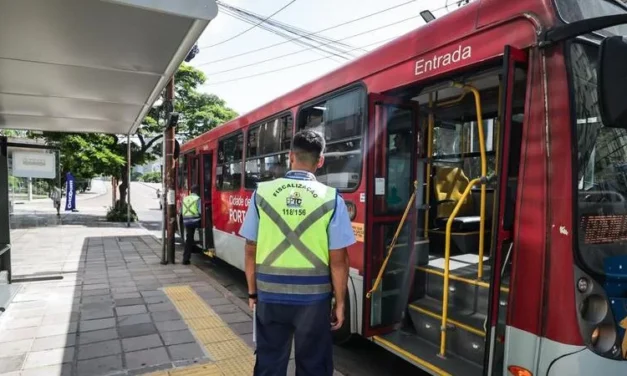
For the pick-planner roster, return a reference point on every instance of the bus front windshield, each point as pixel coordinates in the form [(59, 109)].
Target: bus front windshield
[(601, 168)]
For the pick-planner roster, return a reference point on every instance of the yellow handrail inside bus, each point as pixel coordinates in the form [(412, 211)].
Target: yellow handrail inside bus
[(377, 281), (447, 259), (452, 101), (430, 127), (484, 172)]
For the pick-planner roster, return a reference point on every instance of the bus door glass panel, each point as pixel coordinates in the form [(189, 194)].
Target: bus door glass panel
[(395, 133), (511, 114), (207, 182)]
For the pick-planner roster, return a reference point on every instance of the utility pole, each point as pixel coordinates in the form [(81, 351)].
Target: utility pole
[(169, 169)]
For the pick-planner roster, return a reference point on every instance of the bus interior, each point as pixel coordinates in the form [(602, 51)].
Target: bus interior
[(450, 151)]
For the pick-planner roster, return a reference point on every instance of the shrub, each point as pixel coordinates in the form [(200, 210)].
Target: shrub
[(151, 177), (118, 213)]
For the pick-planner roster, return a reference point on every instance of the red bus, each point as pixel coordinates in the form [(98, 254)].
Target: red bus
[(483, 166)]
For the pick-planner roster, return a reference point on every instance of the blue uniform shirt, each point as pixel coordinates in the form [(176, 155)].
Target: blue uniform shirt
[(340, 230)]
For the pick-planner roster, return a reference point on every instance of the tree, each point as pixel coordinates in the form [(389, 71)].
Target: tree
[(90, 155)]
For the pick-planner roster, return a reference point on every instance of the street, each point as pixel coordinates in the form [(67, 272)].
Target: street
[(360, 358)]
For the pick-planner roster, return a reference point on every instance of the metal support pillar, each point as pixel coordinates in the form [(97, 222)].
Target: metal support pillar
[(170, 174), (128, 180), (5, 228), (164, 203)]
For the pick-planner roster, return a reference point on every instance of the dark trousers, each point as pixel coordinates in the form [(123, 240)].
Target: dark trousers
[(190, 244), (308, 325)]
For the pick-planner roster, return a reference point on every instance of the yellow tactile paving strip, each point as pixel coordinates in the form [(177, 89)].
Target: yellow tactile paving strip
[(232, 355)]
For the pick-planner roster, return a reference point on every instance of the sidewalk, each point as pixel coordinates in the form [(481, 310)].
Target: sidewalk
[(94, 300)]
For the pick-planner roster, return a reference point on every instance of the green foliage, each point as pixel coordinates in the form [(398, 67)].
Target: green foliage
[(118, 213), (136, 176), (151, 177)]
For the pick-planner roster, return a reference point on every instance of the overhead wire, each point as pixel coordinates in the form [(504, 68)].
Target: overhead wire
[(282, 34), (288, 67), (252, 27), (251, 17), (307, 49), (312, 33)]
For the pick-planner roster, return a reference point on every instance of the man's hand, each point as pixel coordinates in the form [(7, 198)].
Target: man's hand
[(252, 303), (337, 316)]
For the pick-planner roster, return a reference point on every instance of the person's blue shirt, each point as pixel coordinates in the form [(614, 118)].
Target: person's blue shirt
[(339, 232)]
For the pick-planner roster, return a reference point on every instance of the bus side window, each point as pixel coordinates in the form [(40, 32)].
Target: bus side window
[(267, 150), (340, 119), (229, 168)]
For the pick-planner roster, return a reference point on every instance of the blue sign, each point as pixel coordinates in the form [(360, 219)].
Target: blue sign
[(70, 192)]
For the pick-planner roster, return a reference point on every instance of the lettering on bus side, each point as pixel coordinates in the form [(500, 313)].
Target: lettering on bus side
[(438, 61), (238, 208)]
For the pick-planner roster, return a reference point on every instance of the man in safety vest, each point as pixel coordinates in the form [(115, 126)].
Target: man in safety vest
[(297, 231), (191, 220)]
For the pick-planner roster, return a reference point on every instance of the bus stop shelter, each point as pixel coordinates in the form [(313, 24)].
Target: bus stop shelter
[(93, 66)]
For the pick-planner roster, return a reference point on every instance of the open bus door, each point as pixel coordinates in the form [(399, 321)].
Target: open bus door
[(393, 129), (206, 199), (514, 60)]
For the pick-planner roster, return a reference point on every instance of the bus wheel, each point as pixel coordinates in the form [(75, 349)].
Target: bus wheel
[(343, 335)]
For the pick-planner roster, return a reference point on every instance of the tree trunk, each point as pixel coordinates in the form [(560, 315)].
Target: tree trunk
[(123, 185)]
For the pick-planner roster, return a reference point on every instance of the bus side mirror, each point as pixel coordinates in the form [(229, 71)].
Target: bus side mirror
[(612, 82)]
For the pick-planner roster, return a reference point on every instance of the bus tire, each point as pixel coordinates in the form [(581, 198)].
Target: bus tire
[(343, 335)]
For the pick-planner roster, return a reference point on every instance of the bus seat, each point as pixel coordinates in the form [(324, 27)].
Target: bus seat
[(449, 186)]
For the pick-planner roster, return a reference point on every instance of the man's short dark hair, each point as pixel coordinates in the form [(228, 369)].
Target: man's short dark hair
[(308, 145), (195, 189)]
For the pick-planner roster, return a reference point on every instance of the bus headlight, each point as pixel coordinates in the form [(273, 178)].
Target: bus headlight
[(603, 338)]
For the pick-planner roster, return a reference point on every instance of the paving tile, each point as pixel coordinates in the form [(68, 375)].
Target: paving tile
[(96, 299), (128, 302), (227, 308), (99, 349), (18, 334), (57, 329), (60, 318), (165, 316), (248, 339), (15, 348), (96, 314), (142, 318), (98, 336), (11, 363), (128, 331), (146, 293), (232, 318), (141, 343), (161, 307), (44, 358), (242, 327), (210, 294), (186, 351), (19, 323), (168, 326), (54, 342), (146, 358), (177, 337), (156, 299), (131, 310), (96, 306), (98, 324), (100, 366), (126, 295), (96, 292), (213, 302), (98, 286), (54, 370)]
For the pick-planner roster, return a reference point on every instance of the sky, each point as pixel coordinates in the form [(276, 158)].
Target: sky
[(246, 94)]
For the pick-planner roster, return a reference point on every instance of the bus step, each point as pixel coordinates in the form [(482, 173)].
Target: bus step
[(424, 355), (464, 291), (465, 333)]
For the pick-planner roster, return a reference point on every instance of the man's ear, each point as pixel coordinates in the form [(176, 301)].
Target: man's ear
[(320, 162)]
